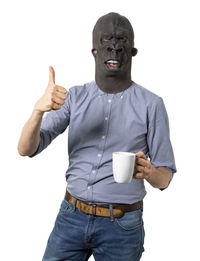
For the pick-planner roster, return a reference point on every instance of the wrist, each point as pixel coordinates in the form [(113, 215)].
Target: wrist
[(159, 177), (38, 113)]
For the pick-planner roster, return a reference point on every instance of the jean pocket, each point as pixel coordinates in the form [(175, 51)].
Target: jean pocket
[(65, 208), (130, 220)]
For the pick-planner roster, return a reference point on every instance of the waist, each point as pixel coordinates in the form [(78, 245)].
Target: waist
[(99, 210)]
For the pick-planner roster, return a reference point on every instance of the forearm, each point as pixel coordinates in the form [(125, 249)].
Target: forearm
[(30, 136), (159, 177)]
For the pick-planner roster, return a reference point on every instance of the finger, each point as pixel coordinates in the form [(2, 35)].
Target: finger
[(140, 154), (143, 162), (60, 95), (56, 106), (58, 100), (139, 168), (51, 75), (142, 169), (139, 175), (60, 89)]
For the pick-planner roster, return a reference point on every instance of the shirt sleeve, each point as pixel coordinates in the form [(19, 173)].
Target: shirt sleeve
[(54, 123), (158, 138)]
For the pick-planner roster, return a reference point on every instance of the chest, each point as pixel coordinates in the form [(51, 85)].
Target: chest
[(112, 114)]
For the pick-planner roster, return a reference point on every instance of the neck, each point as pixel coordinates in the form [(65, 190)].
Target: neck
[(113, 84)]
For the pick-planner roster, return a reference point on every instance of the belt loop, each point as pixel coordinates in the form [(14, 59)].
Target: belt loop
[(142, 206), (111, 212), (78, 205), (74, 205)]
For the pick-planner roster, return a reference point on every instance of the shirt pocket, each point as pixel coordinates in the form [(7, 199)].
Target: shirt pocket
[(130, 220)]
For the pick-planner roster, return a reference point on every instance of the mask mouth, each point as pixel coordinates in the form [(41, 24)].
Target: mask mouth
[(112, 64)]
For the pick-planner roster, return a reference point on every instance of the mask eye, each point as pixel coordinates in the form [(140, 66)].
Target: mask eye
[(122, 39), (105, 39)]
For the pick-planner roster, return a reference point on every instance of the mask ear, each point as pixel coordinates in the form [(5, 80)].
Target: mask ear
[(134, 51), (94, 52)]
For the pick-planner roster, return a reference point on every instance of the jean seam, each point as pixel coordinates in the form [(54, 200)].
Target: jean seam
[(142, 241), (117, 222), (128, 229)]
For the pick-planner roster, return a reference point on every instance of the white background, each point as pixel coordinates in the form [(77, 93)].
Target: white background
[(36, 34)]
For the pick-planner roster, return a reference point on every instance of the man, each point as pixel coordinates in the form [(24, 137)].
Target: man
[(98, 215)]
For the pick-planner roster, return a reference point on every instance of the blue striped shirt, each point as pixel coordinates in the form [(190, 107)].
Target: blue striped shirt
[(101, 123)]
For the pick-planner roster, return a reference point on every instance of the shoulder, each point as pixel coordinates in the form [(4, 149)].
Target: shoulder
[(81, 90), (143, 94), (145, 98), (154, 104)]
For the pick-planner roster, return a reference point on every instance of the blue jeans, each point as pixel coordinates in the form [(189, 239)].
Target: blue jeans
[(76, 236)]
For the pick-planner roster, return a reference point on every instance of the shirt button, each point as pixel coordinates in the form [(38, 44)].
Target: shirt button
[(93, 171), (121, 97), (109, 100), (99, 155), (103, 137), (88, 187), (106, 118)]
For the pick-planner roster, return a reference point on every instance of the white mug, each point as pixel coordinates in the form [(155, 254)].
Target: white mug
[(123, 166)]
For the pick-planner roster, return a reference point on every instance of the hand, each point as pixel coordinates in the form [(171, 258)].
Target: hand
[(53, 97), (143, 167)]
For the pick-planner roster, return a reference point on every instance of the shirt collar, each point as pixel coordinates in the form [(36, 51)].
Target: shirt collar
[(105, 93)]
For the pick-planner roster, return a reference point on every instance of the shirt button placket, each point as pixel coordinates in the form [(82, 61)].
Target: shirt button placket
[(106, 126), (101, 148)]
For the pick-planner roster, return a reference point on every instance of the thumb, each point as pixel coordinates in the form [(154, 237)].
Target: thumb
[(51, 75)]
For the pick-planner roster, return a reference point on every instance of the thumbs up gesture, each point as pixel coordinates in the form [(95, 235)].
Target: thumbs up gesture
[(53, 97)]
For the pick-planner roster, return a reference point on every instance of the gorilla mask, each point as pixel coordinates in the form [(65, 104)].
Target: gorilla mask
[(113, 48)]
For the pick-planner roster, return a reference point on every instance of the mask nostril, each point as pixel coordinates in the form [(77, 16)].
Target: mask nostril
[(119, 50), (109, 49)]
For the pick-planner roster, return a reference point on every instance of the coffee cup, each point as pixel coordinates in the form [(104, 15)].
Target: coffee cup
[(123, 165)]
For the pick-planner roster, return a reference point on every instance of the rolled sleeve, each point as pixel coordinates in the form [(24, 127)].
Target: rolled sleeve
[(158, 138), (54, 123)]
